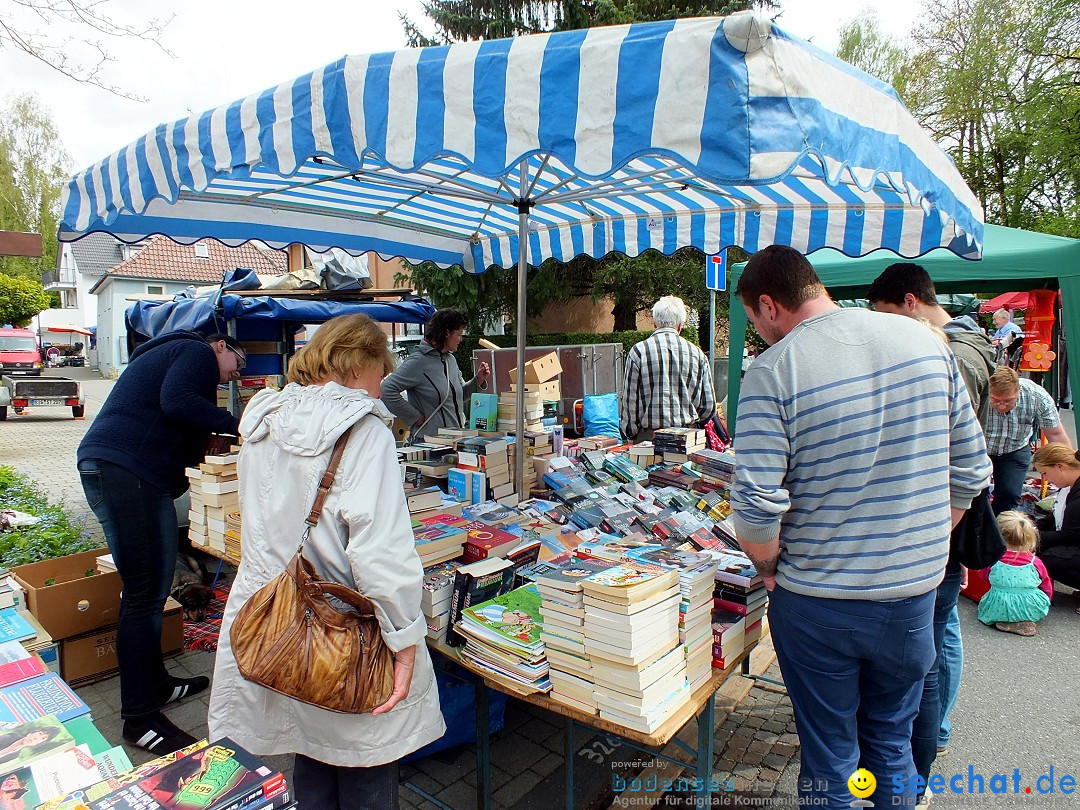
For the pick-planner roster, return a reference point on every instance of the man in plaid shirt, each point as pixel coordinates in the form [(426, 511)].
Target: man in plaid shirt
[(668, 379), (1017, 408)]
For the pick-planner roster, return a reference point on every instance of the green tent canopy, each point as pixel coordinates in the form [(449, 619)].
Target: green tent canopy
[(1012, 260)]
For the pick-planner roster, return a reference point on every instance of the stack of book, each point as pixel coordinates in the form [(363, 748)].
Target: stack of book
[(488, 459), (214, 486), (631, 629), (422, 498), (643, 454), (716, 467), (475, 583), (502, 638), (232, 535), (677, 444), (439, 538), (563, 610), (435, 598), (740, 593), (534, 410), (697, 573)]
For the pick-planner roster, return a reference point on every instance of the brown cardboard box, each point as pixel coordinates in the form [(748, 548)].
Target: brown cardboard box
[(540, 370), (92, 656), (548, 391), (74, 603)]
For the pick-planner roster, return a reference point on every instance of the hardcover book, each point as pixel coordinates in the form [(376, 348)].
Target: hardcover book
[(44, 695)]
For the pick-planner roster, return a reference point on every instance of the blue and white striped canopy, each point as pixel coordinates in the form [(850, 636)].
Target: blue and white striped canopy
[(706, 132)]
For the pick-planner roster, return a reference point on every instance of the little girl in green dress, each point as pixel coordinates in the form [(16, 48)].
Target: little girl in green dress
[(1020, 589)]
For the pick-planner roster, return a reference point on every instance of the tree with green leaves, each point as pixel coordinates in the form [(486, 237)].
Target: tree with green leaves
[(20, 300), (33, 168), (634, 283), (998, 83)]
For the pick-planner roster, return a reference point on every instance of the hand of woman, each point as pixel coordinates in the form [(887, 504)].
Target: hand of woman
[(483, 374), (404, 661)]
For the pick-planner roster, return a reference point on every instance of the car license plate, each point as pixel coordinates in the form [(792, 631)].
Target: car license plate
[(46, 402)]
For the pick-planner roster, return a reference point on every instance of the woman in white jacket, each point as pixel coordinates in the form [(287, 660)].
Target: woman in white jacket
[(364, 540)]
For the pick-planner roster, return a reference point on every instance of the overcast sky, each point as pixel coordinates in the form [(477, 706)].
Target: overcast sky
[(226, 49)]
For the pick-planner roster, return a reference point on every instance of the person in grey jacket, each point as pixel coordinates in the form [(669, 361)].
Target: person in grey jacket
[(427, 391)]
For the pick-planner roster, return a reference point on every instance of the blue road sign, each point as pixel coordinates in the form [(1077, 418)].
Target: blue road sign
[(716, 271)]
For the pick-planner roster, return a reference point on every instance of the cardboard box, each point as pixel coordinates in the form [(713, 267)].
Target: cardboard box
[(549, 391), (91, 657), (73, 603), (540, 370)]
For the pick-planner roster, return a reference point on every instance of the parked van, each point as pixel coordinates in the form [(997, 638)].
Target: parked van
[(19, 354)]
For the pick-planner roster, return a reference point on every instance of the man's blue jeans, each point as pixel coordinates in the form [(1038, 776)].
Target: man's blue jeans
[(950, 670), (927, 726), (140, 527), (1010, 472), (854, 671)]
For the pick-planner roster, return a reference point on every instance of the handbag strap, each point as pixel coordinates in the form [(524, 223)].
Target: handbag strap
[(325, 483)]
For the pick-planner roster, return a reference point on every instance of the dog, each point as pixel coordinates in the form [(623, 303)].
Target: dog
[(189, 586)]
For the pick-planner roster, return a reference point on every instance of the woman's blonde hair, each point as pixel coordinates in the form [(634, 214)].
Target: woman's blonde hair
[(341, 347), (1053, 454), (1018, 530)]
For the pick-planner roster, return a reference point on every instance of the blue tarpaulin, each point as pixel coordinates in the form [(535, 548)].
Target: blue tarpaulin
[(210, 314)]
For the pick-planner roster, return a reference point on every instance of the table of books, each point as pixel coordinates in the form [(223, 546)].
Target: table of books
[(700, 705)]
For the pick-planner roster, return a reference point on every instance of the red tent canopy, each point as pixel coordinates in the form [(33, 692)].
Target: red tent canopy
[(1010, 301)]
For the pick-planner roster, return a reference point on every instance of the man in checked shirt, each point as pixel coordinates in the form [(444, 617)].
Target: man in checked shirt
[(1018, 410), (668, 382)]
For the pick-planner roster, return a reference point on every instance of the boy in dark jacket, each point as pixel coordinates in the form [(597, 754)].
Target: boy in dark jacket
[(156, 422)]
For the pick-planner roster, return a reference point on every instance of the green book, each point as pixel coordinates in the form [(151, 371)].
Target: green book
[(512, 619)]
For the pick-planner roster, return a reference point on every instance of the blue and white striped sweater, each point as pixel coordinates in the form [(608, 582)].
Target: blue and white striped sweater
[(855, 435)]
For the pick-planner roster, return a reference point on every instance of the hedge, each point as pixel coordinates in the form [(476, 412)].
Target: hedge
[(627, 339), (54, 535)]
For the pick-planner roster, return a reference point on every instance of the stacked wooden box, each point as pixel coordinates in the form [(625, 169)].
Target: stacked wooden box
[(541, 385), (214, 496)]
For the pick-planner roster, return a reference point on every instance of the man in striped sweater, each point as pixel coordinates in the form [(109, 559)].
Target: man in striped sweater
[(668, 380), (857, 452)]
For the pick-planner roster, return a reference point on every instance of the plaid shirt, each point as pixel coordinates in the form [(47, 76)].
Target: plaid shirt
[(1034, 409), (668, 384)]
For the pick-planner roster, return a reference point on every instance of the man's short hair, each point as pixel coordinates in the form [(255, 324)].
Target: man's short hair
[(669, 312), (1004, 381), (897, 280), (230, 341), (783, 274), (1003, 313)]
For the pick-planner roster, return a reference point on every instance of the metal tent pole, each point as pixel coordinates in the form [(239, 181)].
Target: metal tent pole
[(523, 272)]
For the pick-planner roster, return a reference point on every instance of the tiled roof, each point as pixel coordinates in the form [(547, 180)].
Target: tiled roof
[(164, 260), (96, 253)]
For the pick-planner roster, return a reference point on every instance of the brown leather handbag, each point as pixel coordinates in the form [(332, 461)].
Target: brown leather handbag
[(291, 638)]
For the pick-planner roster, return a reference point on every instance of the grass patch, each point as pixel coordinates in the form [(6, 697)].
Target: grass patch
[(55, 535)]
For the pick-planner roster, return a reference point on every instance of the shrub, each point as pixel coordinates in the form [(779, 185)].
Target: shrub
[(54, 535), (627, 339)]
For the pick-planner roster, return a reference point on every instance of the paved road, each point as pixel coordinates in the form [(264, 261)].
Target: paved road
[(42, 442)]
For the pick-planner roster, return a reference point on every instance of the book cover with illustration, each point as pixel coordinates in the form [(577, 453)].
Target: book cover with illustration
[(514, 616), (31, 741), (44, 695), (78, 799), (219, 775)]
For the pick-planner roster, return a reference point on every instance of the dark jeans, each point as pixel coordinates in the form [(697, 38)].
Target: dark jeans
[(140, 527), (1062, 564), (1010, 471), (927, 725), (320, 786), (854, 672)]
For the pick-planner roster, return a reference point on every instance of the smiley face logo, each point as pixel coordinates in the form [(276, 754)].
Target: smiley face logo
[(861, 783)]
